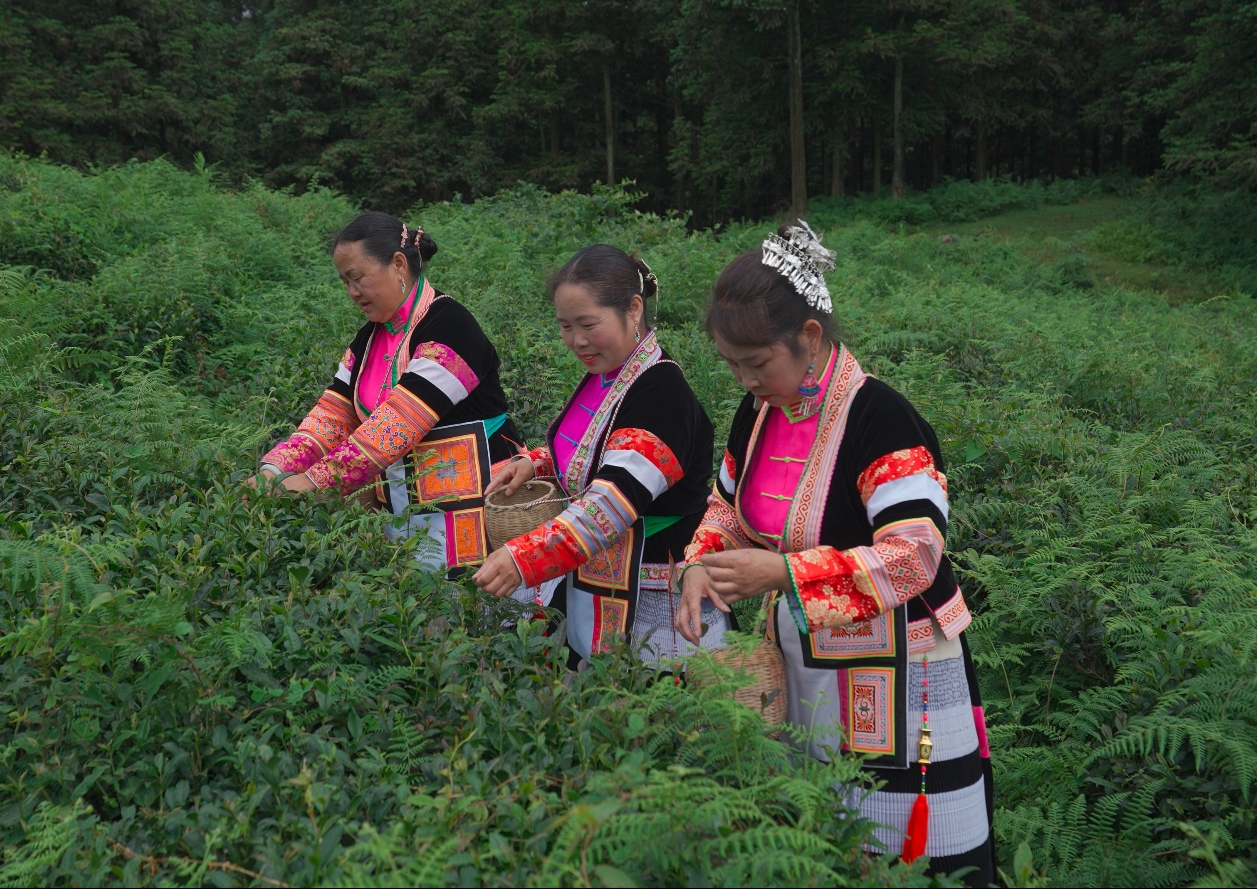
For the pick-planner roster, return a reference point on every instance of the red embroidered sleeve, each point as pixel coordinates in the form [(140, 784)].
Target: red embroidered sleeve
[(644, 456), (590, 525), (901, 476), (542, 462), (328, 424), (391, 432), (719, 531), (836, 588)]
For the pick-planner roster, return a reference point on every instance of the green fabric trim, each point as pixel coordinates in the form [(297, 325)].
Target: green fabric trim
[(493, 424), (794, 600), (656, 523)]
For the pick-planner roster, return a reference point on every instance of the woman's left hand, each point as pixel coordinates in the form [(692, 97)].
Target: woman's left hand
[(498, 575), (742, 573)]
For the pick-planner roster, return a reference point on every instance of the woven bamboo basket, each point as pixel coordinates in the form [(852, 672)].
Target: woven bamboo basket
[(766, 668), (534, 504), (367, 497)]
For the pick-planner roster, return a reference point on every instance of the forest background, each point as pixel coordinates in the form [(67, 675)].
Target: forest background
[(716, 108), (196, 687)]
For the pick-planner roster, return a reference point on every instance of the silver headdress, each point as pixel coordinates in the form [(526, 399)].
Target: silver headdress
[(801, 258)]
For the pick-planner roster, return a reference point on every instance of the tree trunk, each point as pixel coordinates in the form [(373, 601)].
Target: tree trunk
[(798, 155), (980, 152), (838, 186), (877, 153), (896, 175), (609, 111)]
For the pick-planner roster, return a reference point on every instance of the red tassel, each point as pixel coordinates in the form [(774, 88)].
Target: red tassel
[(918, 830)]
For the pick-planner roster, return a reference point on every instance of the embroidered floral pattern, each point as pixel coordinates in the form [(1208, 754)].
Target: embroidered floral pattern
[(897, 465), (542, 462), (451, 361), (346, 468), (327, 425), (720, 530), (388, 434), (649, 446), (834, 588), (825, 589), (348, 359)]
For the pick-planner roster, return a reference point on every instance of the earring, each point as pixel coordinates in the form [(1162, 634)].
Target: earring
[(810, 388), (637, 334), (402, 281), (810, 385)]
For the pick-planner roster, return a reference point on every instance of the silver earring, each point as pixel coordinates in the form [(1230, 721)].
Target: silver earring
[(637, 334), (402, 282)]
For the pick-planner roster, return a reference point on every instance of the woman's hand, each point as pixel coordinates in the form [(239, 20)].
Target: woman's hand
[(742, 573), (695, 587), (252, 481), (298, 483), (511, 476), (498, 575)]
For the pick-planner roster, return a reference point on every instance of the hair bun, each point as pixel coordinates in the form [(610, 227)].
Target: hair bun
[(425, 245), (649, 283)]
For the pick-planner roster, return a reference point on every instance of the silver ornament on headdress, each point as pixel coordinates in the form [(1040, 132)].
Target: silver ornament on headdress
[(801, 258), (405, 234), (649, 276)]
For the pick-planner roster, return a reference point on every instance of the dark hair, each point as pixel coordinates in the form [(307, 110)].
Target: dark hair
[(755, 305), (610, 274), (381, 236)]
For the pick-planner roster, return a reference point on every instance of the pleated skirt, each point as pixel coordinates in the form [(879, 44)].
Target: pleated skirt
[(958, 779)]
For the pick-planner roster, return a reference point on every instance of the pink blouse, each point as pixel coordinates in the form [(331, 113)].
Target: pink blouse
[(578, 417), (777, 465), (376, 378)]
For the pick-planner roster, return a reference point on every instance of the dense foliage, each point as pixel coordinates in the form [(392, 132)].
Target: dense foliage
[(200, 687), (397, 101)]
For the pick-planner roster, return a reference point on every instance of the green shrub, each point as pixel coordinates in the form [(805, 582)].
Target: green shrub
[(199, 687)]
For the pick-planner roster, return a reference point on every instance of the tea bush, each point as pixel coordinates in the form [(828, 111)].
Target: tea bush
[(196, 686)]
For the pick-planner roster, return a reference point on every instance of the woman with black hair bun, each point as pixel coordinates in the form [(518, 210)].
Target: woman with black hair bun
[(832, 492), (633, 449), (416, 409)]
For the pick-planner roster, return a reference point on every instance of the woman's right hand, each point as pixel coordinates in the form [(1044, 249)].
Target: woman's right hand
[(511, 476), (695, 587)]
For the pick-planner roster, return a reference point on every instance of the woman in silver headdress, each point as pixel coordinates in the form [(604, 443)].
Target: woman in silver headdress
[(832, 491)]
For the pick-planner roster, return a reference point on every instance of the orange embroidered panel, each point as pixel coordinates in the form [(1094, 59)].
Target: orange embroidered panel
[(448, 470), (897, 465), (395, 427), (871, 710), (610, 621), (612, 567), (465, 540)]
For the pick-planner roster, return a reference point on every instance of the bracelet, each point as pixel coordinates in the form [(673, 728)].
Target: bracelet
[(681, 575)]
